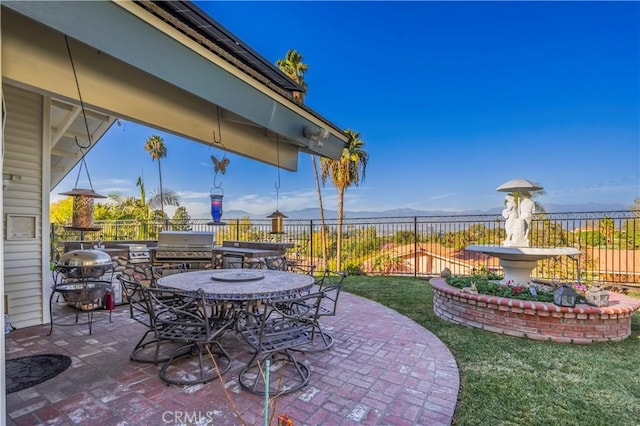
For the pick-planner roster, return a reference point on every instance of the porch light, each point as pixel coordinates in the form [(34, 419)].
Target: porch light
[(565, 296), (597, 296)]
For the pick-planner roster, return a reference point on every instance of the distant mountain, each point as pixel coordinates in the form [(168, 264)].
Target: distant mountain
[(314, 213)]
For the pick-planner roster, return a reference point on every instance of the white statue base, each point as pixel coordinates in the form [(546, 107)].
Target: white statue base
[(518, 262)]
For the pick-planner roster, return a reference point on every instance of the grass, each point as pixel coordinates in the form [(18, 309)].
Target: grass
[(514, 381)]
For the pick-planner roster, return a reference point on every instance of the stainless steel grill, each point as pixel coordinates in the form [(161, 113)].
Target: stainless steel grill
[(184, 245), (84, 264), (138, 253)]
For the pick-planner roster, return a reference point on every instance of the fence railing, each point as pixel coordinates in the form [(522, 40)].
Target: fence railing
[(609, 242)]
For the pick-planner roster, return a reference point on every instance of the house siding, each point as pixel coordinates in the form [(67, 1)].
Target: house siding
[(23, 159)]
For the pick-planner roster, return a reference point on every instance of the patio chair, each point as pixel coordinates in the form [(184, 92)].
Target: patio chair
[(300, 268), (276, 263), (251, 263), (272, 333), (329, 286), (198, 324), (139, 311), (159, 271)]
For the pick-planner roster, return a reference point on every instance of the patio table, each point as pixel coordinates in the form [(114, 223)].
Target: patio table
[(240, 284)]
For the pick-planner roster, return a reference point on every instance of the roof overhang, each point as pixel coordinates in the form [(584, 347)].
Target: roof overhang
[(132, 64)]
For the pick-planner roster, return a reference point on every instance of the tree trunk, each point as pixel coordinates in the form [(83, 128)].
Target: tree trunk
[(323, 231), (340, 217), (161, 194)]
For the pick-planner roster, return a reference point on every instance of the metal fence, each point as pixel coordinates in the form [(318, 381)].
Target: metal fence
[(422, 245)]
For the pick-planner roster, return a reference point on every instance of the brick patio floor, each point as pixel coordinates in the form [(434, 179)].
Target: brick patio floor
[(384, 369)]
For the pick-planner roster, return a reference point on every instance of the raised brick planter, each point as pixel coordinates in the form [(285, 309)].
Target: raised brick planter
[(535, 320)]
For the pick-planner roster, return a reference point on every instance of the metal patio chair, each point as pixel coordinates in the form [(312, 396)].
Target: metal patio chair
[(273, 333), (139, 311), (198, 324), (329, 285), (158, 271), (251, 263), (276, 263)]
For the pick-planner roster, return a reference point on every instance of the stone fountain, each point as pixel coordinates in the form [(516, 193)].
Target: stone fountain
[(517, 257)]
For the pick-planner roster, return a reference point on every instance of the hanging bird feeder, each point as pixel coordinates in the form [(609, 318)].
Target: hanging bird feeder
[(82, 215), (277, 218)]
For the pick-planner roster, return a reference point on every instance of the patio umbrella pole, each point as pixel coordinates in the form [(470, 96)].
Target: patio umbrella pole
[(267, 366)]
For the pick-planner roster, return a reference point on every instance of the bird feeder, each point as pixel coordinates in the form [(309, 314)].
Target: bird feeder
[(216, 204), (277, 222), (565, 296), (82, 215)]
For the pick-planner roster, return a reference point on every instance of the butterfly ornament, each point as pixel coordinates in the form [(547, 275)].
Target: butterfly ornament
[(220, 166)]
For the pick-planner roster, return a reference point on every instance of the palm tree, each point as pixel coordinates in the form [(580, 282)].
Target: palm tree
[(293, 66), (140, 184), (168, 197), (347, 171), (157, 149)]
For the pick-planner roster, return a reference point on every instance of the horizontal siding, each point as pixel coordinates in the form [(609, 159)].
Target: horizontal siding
[(23, 158)]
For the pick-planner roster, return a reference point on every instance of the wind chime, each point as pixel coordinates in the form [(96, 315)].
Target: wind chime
[(277, 218), (82, 214)]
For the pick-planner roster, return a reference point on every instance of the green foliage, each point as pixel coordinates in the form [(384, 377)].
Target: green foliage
[(593, 238), (386, 264), (61, 212), (181, 219), (404, 237), (352, 267), (546, 233), (486, 283)]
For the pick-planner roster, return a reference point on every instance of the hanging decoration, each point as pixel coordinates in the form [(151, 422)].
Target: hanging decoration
[(277, 218), (216, 193), (82, 215)]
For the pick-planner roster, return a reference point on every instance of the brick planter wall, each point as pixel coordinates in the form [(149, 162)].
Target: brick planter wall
[(535, 320)]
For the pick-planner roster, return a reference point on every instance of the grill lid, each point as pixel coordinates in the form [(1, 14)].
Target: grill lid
[(85, 258), (185, 240)]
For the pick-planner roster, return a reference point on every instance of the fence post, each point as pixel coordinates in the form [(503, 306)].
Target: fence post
[(415, 246), (311, 241)]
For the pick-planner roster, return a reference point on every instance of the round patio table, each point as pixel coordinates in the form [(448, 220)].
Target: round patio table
[(240, 284)]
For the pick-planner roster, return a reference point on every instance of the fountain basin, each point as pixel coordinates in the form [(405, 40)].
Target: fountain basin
[(518, 262), (543, 321)]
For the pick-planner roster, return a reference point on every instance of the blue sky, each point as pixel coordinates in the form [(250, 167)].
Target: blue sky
[(452, 99)]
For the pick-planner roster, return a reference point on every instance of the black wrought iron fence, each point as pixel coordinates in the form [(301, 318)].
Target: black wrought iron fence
[(609, 242)]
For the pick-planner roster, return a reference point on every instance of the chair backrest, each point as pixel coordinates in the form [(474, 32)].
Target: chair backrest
[(185, 316), (301, 268), (281, 324), (330, 284), (159, 271), (250, 263), (276, 263), (138, 307)]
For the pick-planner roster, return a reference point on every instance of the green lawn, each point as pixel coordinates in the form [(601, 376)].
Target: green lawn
[(514, 381)]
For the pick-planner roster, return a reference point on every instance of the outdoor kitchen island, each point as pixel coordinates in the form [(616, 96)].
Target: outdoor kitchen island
[(240, 251)]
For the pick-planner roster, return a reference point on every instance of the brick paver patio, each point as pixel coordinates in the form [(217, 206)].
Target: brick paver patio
[(384, 369)]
